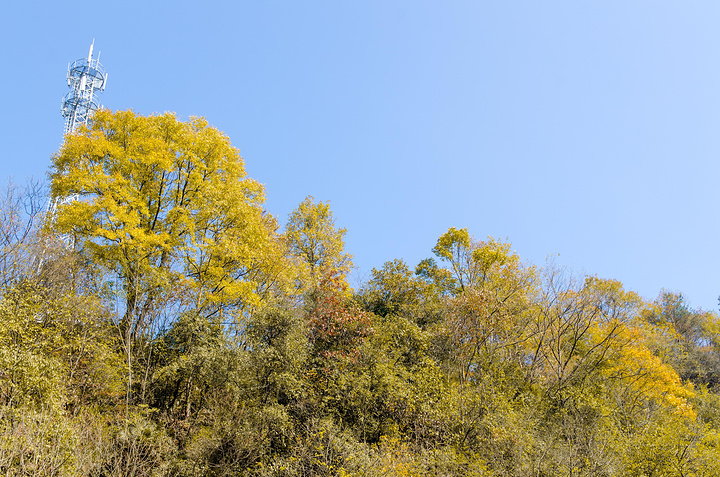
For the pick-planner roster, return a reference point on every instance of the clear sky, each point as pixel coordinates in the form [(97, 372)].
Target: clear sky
[(582, 130)]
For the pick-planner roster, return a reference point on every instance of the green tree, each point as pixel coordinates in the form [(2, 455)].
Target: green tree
[(278, 339), (56, 350), (687, 339), (395, 290), (189, 361)]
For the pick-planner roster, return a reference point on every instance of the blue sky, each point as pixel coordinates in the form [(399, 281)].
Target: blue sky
[(582, 130)]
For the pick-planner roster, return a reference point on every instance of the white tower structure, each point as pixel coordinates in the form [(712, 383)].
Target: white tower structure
[(85, 78)]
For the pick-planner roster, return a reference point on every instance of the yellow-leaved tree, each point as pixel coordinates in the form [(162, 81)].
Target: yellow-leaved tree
[(491, 290), (166, 207), (316, 243)]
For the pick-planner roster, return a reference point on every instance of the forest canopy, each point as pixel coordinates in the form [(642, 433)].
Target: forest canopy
[(159, 321)]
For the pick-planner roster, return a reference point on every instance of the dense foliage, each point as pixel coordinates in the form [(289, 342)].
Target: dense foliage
[(163, 324)]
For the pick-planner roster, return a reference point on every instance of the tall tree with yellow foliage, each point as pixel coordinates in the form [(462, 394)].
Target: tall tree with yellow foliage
[(166, 207)]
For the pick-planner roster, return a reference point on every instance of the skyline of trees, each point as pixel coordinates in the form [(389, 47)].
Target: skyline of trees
[(184, 333)]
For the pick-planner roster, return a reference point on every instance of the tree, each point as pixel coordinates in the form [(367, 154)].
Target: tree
[(56, 350), (336, 326), (314, 239), (20, 211), (687, 339), (395, 290), (455, 248), (574, 329), (485, 312), (166, 207)]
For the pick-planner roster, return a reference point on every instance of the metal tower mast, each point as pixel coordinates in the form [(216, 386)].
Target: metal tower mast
[(85, 77)]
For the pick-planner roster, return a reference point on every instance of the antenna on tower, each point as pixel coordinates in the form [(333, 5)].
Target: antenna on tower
[(85, 78)]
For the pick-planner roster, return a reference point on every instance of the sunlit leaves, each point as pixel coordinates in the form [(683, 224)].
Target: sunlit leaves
[(395, 290), (55, 350), (316, 242), (687, 339), (486, 312), (335, 325), (166, 205)]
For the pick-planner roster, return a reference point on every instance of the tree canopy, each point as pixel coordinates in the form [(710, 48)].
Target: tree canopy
[(160, 324), (166, 206)]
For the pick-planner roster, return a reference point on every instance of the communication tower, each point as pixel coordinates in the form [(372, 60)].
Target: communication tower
[(85, 78)]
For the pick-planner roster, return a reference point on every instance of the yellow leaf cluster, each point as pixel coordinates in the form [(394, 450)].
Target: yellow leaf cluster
[(167, 204)]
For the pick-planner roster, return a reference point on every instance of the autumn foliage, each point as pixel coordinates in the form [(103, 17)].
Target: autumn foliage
[(163, 324), (336, 326)]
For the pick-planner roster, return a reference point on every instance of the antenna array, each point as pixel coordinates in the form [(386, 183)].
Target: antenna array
[(85, 78)]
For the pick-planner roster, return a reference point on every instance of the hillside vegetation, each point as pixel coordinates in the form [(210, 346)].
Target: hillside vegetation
[(162, 324)]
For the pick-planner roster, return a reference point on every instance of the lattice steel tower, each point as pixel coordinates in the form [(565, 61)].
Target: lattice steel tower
[(85, 77)]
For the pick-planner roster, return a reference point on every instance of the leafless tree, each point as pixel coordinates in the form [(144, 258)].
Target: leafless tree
[(21, 215)]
